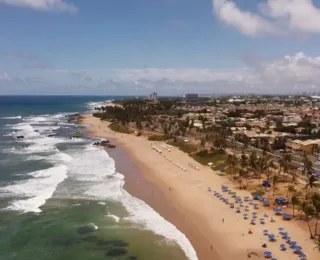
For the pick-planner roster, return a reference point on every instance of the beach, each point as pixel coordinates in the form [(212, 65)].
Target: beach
[(182, 198)]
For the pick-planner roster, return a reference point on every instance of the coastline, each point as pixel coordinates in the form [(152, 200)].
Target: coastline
[(181, 197)]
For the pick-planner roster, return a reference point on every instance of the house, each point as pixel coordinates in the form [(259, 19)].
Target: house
[(307, 146)]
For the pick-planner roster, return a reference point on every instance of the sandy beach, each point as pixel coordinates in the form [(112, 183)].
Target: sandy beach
[(215, 230)]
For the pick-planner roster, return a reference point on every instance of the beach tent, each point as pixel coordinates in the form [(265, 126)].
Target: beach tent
[(281, 201)]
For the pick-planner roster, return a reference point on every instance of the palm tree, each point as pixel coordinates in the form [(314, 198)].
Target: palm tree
[(275, 180), (315, 199), (295, 202), (232, 162), (308, 211), (317, 241), (312, 182)]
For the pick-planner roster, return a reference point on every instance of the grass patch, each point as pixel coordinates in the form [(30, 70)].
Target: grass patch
[(157, 138), (120, 128), (217, 158), (185, 147), (258, 191)]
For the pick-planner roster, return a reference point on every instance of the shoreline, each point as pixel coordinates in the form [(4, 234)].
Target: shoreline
[(191, 208)]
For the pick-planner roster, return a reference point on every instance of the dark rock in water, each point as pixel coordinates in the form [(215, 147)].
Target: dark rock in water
[(118, 243), (116, 252), (90, 239), (86, 229), (20, 137), (52, 135)]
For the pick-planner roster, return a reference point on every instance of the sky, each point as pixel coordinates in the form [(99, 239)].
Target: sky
[(172, 47)]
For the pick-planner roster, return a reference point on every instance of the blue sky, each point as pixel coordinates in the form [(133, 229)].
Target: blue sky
[(168, 46)]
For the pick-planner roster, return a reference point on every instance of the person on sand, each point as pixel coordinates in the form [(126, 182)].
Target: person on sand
[(223, 220)]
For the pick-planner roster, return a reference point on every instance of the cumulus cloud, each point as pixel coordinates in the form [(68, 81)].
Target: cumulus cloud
[(290, 73), (43, 5), (272, 17), (283, 74)]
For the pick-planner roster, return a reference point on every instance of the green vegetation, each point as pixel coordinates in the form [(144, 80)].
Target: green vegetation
[(158, 138), (258, 191), (185, 147), (218, 158), (120, 128)]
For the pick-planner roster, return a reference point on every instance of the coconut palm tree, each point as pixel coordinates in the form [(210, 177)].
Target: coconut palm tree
[(275, 180), (295, 202), (312, 182), (315, 199), (308, 211)]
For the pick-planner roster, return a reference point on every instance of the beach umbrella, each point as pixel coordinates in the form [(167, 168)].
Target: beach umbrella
[(284, 234), (256, 196), (297, 248), (283, 247), (272, 237), (280, 228), (266, 203), (292, 243), (302, 256), (256, 206), (287, 239), (277, 211), (273, 258), (265, 231), (265, 214), (267, 254), (246, 198)]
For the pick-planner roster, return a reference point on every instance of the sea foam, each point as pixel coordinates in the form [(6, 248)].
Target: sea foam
[(34, 192), (94, 166)]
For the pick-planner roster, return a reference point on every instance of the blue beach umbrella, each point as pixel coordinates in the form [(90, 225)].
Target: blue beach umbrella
[(254, 213), (280, 228), (265, 231), (302, 256), (272, 236), (267, 254), (283, 246), (273, 258), (284, 234), (292, 243), (297, 248), (256, 196)]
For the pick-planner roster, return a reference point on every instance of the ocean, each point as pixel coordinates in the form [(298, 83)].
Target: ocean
[(61, 198)]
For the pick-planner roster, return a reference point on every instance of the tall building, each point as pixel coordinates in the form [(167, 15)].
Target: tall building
[(153, 96)]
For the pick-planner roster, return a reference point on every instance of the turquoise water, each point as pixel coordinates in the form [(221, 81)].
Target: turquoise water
[(62, 198)]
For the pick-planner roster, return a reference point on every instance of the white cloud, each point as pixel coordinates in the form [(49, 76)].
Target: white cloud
[(5, 77), (45, 5), (290, 73), (273, 17)]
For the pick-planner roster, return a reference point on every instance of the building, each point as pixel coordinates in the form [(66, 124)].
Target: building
[(191, 99), (153, 97)]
